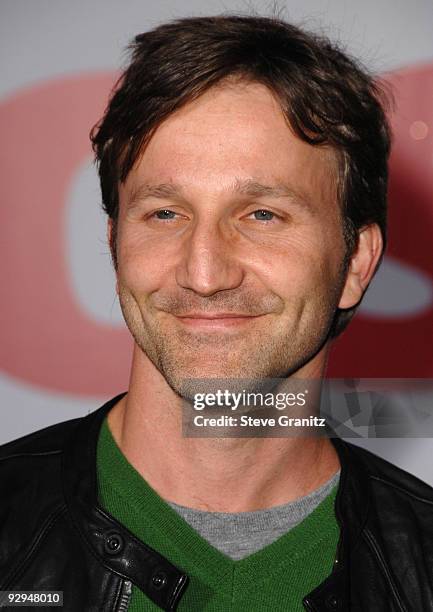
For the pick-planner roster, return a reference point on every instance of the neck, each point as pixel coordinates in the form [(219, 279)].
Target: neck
[(218, 474)]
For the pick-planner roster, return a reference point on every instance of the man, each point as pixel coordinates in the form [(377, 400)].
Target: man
[(243, 167)]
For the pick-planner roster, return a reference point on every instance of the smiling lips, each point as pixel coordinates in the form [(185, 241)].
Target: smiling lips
[(221, 320)]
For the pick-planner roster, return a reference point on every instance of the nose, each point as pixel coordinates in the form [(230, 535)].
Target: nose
[(208, 263)]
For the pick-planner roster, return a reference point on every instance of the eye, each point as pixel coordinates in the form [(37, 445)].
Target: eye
[(263, 215), (164, 214)]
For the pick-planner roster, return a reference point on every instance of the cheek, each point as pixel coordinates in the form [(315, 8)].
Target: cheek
[(300, 264), (142, 264)]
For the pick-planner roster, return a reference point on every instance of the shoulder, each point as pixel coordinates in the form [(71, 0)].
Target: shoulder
[(33, 463), (396, 528), (397, 508), (388, 479), (31, 487), (42, 443), (31, 469)]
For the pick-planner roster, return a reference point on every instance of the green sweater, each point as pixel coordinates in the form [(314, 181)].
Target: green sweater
[(275, 578)]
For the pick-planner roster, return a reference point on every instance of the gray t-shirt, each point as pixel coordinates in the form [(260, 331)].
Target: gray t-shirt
[(239, 534)]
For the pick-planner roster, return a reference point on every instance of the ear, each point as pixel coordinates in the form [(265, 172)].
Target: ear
[(111, 239), (362, 265)]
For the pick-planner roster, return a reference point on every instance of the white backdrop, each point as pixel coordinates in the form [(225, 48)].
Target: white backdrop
[(52, 49)]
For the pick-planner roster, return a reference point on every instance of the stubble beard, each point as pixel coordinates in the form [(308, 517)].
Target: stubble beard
[(184, 357)]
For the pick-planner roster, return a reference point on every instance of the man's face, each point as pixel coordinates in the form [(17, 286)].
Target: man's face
[(229, 243)]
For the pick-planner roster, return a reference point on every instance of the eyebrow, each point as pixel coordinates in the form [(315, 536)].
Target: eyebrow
[(253, 188), (246, 187)]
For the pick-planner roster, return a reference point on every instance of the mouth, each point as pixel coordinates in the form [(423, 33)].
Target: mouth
[(216, 321)]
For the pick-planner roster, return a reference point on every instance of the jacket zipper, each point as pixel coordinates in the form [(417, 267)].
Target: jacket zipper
[(125, 596)]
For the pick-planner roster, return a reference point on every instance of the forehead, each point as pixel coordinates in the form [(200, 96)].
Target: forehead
[(234, 132)]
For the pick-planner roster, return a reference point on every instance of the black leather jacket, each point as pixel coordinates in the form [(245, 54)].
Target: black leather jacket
[(54, 536)]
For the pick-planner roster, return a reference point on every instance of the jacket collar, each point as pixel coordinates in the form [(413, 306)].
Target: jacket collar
[(121, 552), (115, 546), (351, 509)]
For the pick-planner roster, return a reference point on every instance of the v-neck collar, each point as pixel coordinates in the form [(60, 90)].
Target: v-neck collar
[(153, 521)]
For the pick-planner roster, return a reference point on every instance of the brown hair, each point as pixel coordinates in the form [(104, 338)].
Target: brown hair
[(326, 96)]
